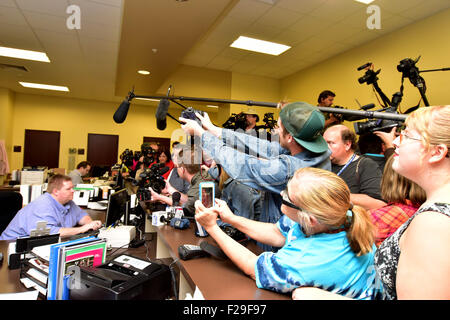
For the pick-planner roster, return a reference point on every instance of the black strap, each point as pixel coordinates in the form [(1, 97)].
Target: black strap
[(213, 250)]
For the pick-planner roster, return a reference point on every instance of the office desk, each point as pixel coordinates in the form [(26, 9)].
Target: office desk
[(216, 279), (9, 279)]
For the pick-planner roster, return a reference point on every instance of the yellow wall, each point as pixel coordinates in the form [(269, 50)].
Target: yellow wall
[(255, 88), (6, 117), (75, 118), (428, 38)]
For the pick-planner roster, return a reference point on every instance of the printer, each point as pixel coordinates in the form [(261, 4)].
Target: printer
[(124, 278)]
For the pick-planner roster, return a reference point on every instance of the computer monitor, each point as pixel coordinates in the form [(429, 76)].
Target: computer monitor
[(117, 207)]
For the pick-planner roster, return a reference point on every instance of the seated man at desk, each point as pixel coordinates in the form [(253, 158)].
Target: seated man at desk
[(56, 208), (82, 170)]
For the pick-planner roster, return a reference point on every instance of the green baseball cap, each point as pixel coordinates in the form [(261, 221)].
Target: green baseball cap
[(305, 123)]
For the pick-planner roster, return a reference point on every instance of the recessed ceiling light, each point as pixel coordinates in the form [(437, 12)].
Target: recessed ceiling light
[(144, 72), (365, 1), (43, 86), (24, 54), (257, 45)]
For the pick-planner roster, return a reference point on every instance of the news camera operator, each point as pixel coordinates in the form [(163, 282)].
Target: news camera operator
[(191, 172), (300, 145), (326, 99)]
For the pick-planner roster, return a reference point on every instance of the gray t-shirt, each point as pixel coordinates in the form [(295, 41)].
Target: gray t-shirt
[(75, 175)]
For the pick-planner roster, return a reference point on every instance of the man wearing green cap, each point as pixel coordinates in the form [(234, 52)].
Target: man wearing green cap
[(300, 145)]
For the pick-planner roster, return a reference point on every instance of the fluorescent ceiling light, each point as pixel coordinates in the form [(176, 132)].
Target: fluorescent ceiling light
[(24, 54), (365, 1), (262, 46), (144, 72), (211, 106), (43, 86)]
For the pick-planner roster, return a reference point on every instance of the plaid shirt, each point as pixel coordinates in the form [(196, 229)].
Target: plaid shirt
[(389, 218)]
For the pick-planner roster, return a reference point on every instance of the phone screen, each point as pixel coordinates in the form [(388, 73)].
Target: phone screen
[(207, 196)]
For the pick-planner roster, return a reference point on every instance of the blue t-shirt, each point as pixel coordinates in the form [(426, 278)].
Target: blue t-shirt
[(324, 261), (44, 208)]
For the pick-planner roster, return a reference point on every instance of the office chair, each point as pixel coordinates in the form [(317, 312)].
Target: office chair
[(10, 203)]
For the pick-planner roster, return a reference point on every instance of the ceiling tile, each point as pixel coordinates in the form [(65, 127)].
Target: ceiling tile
[(114, 3), (12, 16), (310, 25), (222, 63), (249, 10), (98, 31), (53, 7), (301, 6), (261, 31), (46, 22), (398, 6), (20, 37), (98, 13), (425, 9), (7, 3), (279, 17), (335, 11)]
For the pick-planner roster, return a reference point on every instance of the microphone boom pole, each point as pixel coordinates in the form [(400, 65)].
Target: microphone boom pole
[(363, 114)]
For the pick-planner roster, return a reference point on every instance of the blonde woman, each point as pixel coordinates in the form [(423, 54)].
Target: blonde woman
[(414, 263), (326, 243), (403, 196)]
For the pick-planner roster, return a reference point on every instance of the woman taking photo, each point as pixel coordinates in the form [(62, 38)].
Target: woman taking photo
[(326, 242)]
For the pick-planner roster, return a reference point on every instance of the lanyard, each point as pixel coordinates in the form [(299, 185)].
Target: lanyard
[(346, 165)]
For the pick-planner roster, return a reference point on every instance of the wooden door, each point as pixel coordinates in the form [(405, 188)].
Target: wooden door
[(41, 148), (163, 142), (102, 152)]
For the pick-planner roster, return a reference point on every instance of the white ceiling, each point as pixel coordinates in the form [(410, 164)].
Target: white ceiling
[(87, 60)]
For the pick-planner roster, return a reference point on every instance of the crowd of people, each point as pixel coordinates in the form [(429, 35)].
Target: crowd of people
[(328, 203), (335, 216)]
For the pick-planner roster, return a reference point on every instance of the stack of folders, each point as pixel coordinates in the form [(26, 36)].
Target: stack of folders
[(50, 268)]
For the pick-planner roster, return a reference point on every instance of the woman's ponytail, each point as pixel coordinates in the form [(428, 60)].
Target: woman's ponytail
[(361, 232)]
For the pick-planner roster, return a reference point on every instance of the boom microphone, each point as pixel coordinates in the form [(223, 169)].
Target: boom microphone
[(368, 106), (161, 114), (364, 66), (121, 114), (176, 196)]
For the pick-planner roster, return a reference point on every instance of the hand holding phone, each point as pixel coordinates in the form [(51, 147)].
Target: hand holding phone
[(206, 196)]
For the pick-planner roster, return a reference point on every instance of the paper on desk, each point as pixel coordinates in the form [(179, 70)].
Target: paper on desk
[(197, 295), (28, 295)]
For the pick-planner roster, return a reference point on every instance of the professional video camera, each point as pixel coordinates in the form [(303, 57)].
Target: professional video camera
[(377, 124), (370, 77), (236, 121), (269, 121), (149, 154), (239, 121), (127, 157), (150, 177)]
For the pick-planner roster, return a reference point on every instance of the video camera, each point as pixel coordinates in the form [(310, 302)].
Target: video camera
[(127, 157), (376, 124), (236, 121), (370, 77), (239, 121), (269, 121), (151, 177)]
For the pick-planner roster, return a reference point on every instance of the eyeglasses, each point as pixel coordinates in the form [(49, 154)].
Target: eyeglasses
[(404, 135), (287, 202)]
